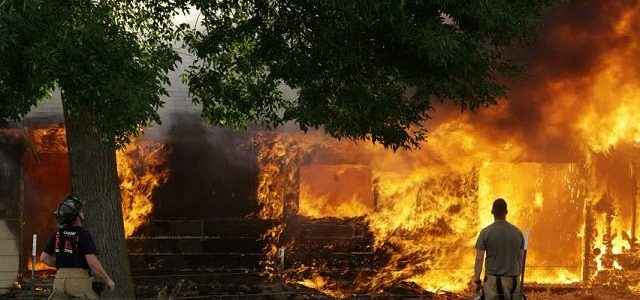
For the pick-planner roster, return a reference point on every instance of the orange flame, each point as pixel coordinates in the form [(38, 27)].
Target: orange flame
[(322, 284), (40, 266), (335, 190), (142, 167)]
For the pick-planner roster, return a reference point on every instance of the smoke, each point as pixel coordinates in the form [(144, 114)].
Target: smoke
[(580, 46), (579, 95), (543, 118), (212, 171)]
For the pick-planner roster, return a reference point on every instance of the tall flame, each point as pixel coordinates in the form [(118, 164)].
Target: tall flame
[(278, 157), (142, 167)]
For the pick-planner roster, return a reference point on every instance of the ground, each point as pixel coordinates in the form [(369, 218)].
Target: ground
[(251, 290)]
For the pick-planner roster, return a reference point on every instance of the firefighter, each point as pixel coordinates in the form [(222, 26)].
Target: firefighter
[(72, 252), (503, 244)]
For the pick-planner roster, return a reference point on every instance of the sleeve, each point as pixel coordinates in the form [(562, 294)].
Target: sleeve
[(86, 244), (521, 241), (481, 243), (50, 247)]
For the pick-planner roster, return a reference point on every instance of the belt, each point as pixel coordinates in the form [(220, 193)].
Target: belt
[(72, 273)]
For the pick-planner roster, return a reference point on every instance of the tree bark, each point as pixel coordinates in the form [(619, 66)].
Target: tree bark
[(94, 179)]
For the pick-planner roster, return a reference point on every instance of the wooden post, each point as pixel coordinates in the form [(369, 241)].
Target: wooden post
[(375, 187), (587, 251), (291, 195), (33, 265), (634, 205), (589, 221)]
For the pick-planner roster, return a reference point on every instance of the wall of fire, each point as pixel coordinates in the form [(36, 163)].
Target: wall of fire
[(580, 216), (213, 173)]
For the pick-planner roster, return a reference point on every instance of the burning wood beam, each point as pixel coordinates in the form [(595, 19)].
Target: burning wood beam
[(634, 204)]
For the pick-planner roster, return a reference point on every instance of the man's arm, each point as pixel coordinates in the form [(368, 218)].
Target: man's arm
[(97, 269), (48, 255), (523, 261), (88, 248), (49, 260), (481, 248), (478, 265)]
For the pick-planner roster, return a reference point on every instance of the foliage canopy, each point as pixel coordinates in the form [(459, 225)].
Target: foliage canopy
[(363, 69), (107, 57)]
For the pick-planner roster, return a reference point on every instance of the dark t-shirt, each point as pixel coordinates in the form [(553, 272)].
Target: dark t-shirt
[(502, 242), (70, 245)]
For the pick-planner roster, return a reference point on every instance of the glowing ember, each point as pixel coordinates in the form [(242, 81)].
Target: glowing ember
[(322, 284), (272, 250)]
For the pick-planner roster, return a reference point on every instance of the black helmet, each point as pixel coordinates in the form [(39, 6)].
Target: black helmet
[(68, 210)]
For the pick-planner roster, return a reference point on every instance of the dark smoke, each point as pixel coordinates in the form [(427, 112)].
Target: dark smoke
[(212, 172)]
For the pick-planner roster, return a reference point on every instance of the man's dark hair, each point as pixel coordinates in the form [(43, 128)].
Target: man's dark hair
[(499, 208)]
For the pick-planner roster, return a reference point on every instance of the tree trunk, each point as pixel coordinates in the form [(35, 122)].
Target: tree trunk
[(94, 179)]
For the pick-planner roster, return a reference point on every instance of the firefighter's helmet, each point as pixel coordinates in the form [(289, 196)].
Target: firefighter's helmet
[(68, 210)]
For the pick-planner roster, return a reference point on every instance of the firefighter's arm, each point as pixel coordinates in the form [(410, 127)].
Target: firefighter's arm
[(97, 269), (478, 265), (48, 259)]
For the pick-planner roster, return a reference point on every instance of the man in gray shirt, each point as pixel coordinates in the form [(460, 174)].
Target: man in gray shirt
[(503, 244)]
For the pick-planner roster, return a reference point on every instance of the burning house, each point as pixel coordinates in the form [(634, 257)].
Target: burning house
[(349, 218)]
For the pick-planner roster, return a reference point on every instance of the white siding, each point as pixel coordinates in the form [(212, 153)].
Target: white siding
[(178, 101), (9, 258)]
